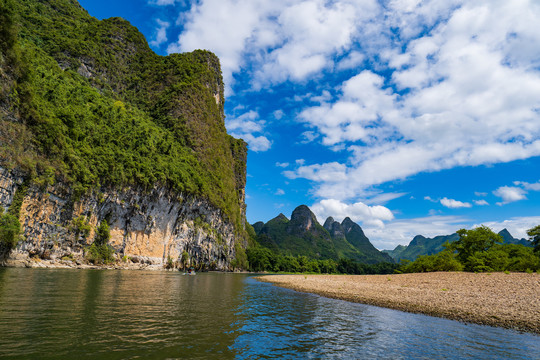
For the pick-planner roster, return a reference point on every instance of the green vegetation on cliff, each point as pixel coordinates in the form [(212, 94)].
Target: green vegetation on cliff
[(89, 103), (10, 229)]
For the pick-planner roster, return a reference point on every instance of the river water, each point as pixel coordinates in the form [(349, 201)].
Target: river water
[(107, 314)]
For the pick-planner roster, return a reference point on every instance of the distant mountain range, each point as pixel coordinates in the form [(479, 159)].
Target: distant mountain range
[(421, 245), (303, 235)]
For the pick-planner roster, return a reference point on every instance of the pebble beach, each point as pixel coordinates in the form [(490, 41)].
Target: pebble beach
[(509, 300)]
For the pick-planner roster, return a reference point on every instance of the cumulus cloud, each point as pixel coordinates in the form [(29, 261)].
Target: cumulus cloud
[(358, 212), (415, 86), (454, 204), (509, 194), (481, 202), (528, 186), (161, 33), (282, 165), (463, 98), (282, 39), (246, 126)]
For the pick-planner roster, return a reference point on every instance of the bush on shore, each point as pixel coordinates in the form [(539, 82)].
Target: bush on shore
[(478, 250)]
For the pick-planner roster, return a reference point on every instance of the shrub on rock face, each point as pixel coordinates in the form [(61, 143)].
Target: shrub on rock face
[(100, 252), (10, 230)]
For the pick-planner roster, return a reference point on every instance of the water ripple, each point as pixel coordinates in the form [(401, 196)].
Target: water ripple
[(64, 314)]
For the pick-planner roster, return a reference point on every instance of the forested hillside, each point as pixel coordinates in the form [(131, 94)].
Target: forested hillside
[(87, 102)]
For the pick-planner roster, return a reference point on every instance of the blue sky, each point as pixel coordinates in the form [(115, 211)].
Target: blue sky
[(411, 117)]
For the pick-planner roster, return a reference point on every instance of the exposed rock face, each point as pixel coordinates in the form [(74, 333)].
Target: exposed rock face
[(146, 227), (302, 220), (334, 228)]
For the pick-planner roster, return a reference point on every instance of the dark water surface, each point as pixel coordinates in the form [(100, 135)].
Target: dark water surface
[(105, 314)]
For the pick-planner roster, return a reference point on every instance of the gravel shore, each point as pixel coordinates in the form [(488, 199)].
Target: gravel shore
[(496, 299)]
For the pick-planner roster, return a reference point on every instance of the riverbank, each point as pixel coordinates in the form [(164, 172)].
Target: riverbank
[(496, 299), (69, 263)]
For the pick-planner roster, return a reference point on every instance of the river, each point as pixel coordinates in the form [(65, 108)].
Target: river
[(113, 314)]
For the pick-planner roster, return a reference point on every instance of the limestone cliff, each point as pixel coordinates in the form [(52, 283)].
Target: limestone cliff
[(146, 227), (94, 127)]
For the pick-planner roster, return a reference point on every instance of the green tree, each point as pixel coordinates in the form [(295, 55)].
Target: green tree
[(472, 241), (103, 234), (534, 236), (443, 261), (100, 251), (184, 259)]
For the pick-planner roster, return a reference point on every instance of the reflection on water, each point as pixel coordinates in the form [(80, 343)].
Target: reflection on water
[(94, 314)]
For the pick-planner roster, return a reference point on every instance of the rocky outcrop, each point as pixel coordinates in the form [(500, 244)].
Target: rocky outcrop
[(334, 228), (146, 226)]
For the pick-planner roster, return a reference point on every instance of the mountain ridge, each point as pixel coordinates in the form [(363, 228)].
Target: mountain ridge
[(421, 245), (303, 235)]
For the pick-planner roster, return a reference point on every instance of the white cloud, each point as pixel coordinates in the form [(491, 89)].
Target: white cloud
[(280, 192), (481, 202), (256, 143), (528, 186), (353, 60), (278, 114), (431, 85), (383, 198), (454, 204), (282, 165), (281, 39), (352, 117), (358, 212), (309, 136), (509, 194), (517, 226), (467, 98), (161, 33), (329, 172), (246, 126), (480, 193)]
